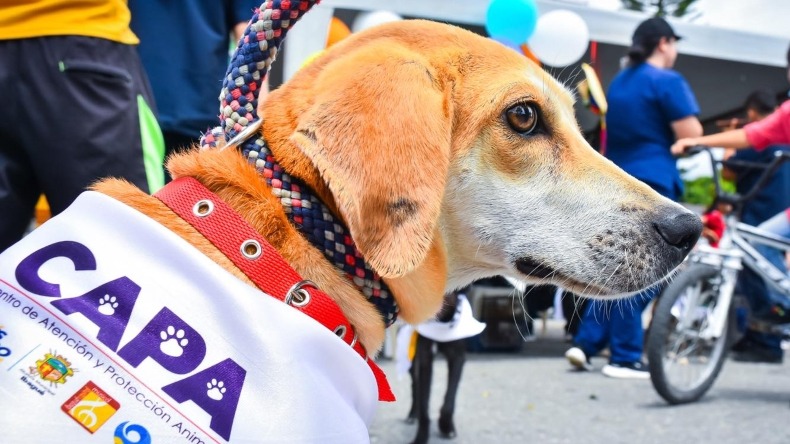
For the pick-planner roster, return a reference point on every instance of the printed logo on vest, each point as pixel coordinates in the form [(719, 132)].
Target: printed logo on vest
[(53, 368), (4, 351), (166, 338), (127, 433), (91, 407)]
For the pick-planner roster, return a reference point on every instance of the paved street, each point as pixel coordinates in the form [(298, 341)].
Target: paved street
[(532, 396)]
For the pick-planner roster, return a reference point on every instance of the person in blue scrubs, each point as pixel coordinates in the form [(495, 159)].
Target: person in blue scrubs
[(650, 106)]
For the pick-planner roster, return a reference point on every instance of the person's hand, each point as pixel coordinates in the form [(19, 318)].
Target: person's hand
[(735, 123), (713, 227), (679, 148)]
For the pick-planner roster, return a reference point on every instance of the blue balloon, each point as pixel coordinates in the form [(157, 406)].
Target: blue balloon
[(511, 20)]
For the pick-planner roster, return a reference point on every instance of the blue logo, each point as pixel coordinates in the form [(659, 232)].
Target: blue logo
[(127, 433), (4, 351)]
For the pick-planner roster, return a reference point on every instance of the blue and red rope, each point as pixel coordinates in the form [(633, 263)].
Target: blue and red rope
[(241, 88)]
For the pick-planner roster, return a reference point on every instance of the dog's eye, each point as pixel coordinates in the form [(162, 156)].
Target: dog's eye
[(522, 118)]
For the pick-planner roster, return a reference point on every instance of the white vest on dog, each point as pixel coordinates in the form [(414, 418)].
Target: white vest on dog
[(462, 326), (113, 327)]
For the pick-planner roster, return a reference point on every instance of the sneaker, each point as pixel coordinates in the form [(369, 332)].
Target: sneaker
[(626, 370), (578, 359), (758, 354), (742, 344), (749, 349)]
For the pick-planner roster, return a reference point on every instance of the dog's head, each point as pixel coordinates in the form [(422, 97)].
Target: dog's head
[(451, 158)]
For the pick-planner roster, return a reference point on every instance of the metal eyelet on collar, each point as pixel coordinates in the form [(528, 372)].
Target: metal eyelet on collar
[(203, 208), (355, 338), (340, 332), (297, 295), (251, 249)]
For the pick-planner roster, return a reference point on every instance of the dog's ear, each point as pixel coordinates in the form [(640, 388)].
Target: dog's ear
[(379, 133)]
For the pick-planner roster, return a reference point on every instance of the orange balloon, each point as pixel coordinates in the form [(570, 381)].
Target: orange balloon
[(337, 32), (528, 52)]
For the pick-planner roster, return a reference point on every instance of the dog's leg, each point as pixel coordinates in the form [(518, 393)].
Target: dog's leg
[(411, 418), (455, 352), (423, 362)]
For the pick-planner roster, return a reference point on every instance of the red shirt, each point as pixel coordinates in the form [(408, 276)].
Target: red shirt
[(772, 130)]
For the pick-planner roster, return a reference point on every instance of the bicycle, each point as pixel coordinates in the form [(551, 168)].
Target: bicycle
[(694, 322)]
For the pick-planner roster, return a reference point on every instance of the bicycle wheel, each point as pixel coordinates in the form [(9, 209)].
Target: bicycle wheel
[(683, 365)]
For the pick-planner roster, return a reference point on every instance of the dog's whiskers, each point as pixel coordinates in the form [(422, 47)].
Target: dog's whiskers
[(609, 306), (574, 78), (629, 268), (605, 283), (526, 315), (576, 303)]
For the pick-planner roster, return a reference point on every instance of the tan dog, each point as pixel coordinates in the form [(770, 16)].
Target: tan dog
[(450, 158)]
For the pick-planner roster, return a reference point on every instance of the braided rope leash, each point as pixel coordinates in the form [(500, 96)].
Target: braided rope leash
[(254, 55)]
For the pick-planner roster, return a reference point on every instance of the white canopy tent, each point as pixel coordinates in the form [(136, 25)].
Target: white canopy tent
[(606, 26)]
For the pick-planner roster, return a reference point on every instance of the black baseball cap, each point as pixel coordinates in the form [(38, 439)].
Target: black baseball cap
[(652, 30)]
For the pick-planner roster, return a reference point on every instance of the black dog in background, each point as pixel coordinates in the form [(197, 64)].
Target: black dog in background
[(422, 371), (537, 299)]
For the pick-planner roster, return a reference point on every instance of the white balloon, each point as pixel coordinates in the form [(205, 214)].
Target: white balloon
[(369, 19), (561, 38)]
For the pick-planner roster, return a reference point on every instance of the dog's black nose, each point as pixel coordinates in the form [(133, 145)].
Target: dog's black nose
[(680, 228)]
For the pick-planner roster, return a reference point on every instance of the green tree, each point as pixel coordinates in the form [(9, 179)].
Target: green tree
[(661, 8)]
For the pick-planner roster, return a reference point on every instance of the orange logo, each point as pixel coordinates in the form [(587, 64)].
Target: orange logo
[(91, 407)]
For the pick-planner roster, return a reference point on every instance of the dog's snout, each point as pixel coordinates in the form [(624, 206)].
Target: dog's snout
[(679, 228)]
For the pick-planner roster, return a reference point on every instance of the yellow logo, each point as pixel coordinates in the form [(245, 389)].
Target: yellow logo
[(91, 407), (53, 368)]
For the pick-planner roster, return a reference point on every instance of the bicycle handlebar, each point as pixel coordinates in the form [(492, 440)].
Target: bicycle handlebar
[(738, 199)]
